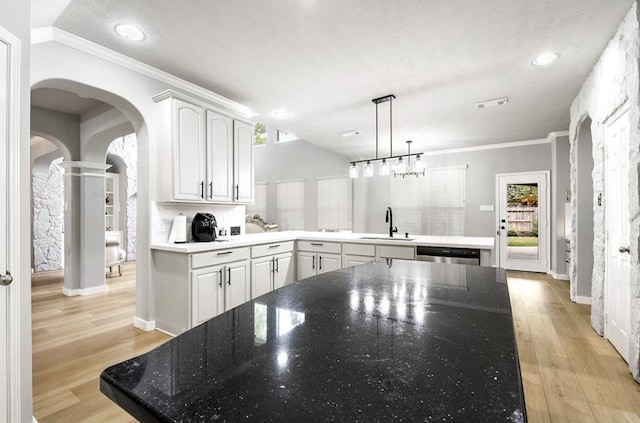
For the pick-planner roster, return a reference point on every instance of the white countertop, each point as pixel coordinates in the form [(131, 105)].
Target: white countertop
[(483, 243)]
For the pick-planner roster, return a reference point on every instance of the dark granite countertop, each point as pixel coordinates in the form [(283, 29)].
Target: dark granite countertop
[(400, 341)]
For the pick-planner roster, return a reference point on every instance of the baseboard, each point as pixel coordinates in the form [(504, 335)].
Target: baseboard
[(145, 325), (583, 300), (84, 291), (560, 276)]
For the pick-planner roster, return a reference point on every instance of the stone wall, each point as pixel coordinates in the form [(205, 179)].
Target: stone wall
[(127, 148), (612, 84), (48, 196)]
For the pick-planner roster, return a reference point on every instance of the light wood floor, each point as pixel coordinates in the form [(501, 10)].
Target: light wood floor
[(570, 374)]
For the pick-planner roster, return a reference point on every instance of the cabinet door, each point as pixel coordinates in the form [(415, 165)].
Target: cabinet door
[(329, 262), (243, 162), (350, 260), (189, 159), (220, 157), (207, 294), (261, 276), (283, 274), (238, 284), (306, 265)]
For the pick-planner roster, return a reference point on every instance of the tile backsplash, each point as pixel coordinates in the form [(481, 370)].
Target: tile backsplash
[(162, 215)]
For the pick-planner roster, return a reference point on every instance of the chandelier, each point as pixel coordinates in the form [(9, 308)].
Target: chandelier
[(401, 167)]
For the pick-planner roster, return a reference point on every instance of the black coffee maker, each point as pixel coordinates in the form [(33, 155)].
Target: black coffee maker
[(204, 227)]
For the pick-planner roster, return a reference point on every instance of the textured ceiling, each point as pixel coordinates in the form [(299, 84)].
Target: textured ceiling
[(324, 60)]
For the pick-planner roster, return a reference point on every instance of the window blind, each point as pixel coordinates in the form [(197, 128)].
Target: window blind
[(430, 205), (260, 204), (290, 205), (335, 204)]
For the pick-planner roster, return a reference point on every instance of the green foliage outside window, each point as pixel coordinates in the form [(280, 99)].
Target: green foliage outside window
[(260, 134)]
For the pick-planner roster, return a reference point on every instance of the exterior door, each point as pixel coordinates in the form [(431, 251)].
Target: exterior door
[(618, 257), (523, 225)]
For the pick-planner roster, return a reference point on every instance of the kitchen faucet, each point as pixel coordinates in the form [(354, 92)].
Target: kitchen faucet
[(389, 220)]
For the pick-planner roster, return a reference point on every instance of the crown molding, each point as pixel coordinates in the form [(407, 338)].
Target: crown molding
[(488, 147), (46, 34)]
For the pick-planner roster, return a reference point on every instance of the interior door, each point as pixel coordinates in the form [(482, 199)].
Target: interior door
[(618, 257), (523, 225), (4, 165)]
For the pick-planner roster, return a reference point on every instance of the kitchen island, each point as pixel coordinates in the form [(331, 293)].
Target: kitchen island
[(393, 340)]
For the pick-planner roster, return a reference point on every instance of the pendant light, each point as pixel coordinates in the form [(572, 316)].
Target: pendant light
[(401, 167)]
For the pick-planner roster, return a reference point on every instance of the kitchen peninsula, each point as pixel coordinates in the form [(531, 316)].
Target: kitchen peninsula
[(194, 282), (394, 340)]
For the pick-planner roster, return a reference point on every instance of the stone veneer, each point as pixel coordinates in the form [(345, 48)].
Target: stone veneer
[(127, 148), (612, 84), (48, 196)]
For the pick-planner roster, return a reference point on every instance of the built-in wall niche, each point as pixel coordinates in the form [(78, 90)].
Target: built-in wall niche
[(111, 202)]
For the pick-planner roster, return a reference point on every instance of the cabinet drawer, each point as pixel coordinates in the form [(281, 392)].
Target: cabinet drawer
[(271, 249), (320, 246), (218, 257), (359, 249), (389, 251)]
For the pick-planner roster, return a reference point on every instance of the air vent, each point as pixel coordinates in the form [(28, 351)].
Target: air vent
[(491, 103)]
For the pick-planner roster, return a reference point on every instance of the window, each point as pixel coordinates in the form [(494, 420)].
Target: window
[(290, 205), (260, 204), (430, 205), (283, 136), (260, 134), (335, 204)]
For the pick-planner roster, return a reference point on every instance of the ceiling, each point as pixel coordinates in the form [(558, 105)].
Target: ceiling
[(62, 101), (324, 60)]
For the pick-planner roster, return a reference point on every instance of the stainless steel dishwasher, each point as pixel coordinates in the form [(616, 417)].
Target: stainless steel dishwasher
[(448, 255)]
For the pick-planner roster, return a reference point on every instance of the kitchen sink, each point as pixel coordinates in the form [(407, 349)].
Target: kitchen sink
[(387, 238)]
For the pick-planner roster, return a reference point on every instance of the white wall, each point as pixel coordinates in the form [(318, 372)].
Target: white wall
[(613, 82), (296, 160)]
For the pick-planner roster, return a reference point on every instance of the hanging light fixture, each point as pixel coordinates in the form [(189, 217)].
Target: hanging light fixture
[(400, 168)]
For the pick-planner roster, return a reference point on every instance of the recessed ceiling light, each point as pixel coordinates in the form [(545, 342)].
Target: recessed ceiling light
[(281, 114), (493, 102), (545, 59), (129, 32)]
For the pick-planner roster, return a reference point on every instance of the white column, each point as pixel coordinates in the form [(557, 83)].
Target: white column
[(84, 226)]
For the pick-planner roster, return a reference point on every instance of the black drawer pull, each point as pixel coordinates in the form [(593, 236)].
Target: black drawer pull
[(274, 246), (224, 253), (317, 244)]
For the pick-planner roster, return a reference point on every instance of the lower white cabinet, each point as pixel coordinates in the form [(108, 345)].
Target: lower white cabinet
[(271, 272), (192, 288), (315, 257), (355, 254), (271, 267)]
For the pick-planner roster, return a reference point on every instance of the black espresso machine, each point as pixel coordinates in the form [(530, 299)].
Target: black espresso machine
[(204, 227)]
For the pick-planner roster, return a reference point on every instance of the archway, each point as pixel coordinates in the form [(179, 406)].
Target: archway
[(584, 206)]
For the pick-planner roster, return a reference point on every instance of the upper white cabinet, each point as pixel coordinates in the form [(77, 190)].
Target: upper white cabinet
[(211, 154)]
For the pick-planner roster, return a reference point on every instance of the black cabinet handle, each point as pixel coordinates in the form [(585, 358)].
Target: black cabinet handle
[(273, 265), (202, 189), (274, 246), (237, 192), (313, 262), (320, 262), (277, 265), (210, 190), (220, 281), (317, 244), (224, 253), (228, 275)]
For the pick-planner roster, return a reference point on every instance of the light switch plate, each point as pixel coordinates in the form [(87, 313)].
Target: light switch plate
[(486, 207)]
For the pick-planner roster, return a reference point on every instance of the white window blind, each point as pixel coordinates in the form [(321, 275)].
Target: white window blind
[(430, 205), (290, 205), (335, 204), (260, 205)]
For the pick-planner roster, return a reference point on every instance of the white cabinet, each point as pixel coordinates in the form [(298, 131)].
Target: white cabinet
[(354, 254), (315, 258), (111, 202), (396, 252), (271, 267), (192, 288), (211, 154), (243, 175)]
